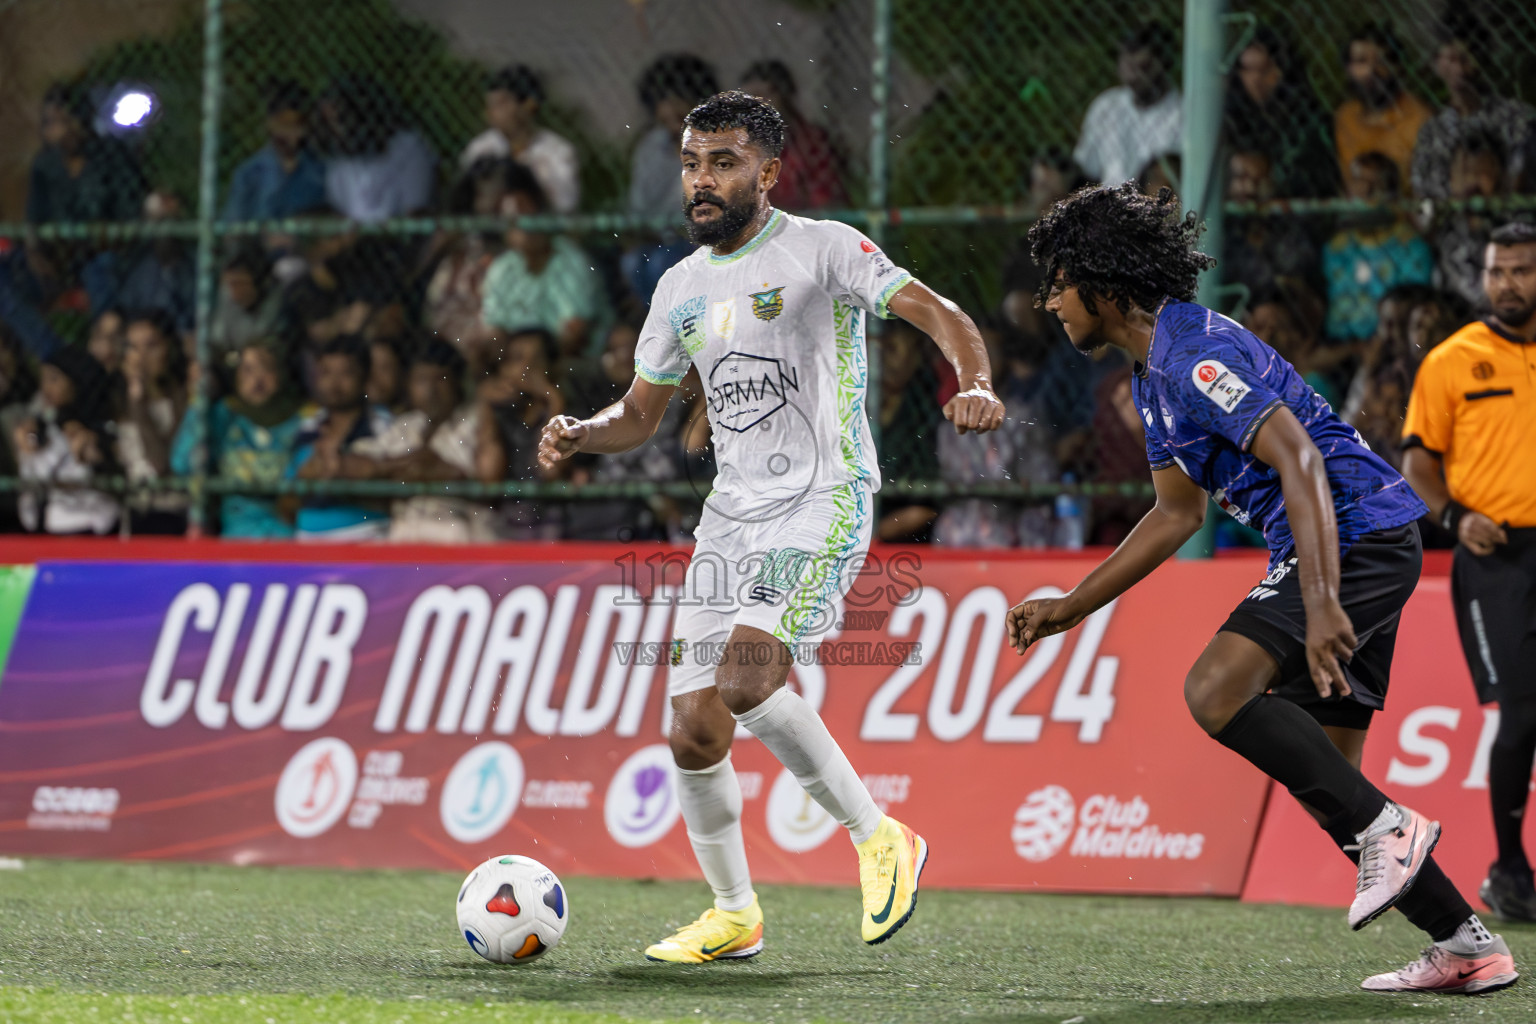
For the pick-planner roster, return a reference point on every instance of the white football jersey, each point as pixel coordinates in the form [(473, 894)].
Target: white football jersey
[(777, 330)]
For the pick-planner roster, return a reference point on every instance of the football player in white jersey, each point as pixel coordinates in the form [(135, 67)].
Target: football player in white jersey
[(772, 310)]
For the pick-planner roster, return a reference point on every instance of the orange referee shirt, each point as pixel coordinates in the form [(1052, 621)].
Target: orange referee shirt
[(1474, 405)]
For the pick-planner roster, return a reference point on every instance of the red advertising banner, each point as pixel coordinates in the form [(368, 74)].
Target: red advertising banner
[(1428, 749), (433, 715)]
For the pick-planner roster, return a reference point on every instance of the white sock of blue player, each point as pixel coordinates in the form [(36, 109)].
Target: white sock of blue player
[(711, 802), (796, 735)]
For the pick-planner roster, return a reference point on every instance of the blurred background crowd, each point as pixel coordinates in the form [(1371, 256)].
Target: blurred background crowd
[(340, 349)]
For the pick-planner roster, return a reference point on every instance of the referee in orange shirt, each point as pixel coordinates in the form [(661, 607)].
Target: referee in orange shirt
[(1470, 452)]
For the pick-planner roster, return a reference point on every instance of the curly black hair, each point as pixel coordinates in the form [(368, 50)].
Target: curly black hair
[(1114, 243), (735, 109)]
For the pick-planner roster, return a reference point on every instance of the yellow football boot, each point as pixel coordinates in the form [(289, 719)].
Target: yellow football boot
[(890, 863), (717, 935)]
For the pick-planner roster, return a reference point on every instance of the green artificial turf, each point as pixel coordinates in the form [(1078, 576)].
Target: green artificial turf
[(179, 943)]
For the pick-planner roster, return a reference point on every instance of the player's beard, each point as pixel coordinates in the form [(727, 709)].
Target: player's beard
[(1513, 313), (733, 217)]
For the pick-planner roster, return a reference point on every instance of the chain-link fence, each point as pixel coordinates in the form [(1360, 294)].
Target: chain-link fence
[(276, 265)]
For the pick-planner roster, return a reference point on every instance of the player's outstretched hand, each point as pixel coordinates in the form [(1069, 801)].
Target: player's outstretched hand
[(1480, 534), (561, 439), (1035, 620), (975, 409), (1330, 646)]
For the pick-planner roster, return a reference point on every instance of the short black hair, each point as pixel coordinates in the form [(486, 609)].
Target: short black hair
[(518, 79), (286, 94), (1517, 232), (725, 111), (1377, 160), (1152, 36), (677, 74), (1112, 242), (161, 320), (1385, 39), (353, 347), (519, 178), (434, 351), (775, 72), (1479, 141)]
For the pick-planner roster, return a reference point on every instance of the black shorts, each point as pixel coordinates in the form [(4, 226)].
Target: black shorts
[(1495, 597), (1376, 578)]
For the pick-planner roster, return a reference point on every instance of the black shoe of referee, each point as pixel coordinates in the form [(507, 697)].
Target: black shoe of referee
[(1509, 893)]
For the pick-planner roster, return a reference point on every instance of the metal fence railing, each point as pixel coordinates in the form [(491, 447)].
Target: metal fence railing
[(275, 212)]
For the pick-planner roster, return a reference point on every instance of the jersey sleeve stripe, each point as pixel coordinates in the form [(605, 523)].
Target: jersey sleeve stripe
[(1257, 422), (657, 377), (883, 307)]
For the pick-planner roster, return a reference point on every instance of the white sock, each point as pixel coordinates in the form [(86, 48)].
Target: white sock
[(797, 736), (711, 803), (1471, 937)]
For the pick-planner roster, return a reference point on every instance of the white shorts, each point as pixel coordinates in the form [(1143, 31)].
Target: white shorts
[(786, 576)]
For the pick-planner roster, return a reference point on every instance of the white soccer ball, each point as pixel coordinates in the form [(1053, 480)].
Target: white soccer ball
[(512, 910)]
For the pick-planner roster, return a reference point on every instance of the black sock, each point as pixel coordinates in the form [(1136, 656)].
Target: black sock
[(1509, 780), (1287, 744), (1434, 904)]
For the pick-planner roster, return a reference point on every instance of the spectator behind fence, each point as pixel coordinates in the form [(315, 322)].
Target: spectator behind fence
[(1384, 354), (594, 384), (284, 178), (386, 373), (79, 175), (160, 274), (1473, 110), (1127, 126), (1119, 456), (542, 280), (248, 307), (376, 167), (1380, 115), (106, 339), (66, 439), (1259, 249), (1461, 238), (153, 403), (436, 439), (1373, 251), (1053, 175), (518, 399), (455, 290), (908, 418), (1288, 317), (252, 438), (670, 87), (1162, 171), (512, 101), (811, 168), (18, 385), (1020, 451), (326, 438), (1271, 109)]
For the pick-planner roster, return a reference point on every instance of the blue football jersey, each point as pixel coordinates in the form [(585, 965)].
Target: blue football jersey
[(1209, 385)]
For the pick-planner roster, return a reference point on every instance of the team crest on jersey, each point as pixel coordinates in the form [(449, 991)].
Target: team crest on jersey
[(686, 323), (769, 304), (722, 318), (1218, 383)]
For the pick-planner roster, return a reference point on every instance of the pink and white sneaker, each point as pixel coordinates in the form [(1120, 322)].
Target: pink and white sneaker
[(1440, 970), (1391, 856)]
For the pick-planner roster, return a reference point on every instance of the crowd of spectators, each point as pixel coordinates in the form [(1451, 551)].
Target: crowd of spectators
[(427, 359)]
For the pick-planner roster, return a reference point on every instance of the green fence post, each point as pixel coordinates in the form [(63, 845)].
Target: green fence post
[(1202, 177), (879, 194), (207, 197)]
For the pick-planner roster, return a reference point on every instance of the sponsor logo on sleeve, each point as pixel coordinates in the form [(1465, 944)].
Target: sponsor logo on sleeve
[(1219, 384), (685, 319)]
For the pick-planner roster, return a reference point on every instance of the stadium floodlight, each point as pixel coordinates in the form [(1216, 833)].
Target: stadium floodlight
[(126, 108), (133, 109)]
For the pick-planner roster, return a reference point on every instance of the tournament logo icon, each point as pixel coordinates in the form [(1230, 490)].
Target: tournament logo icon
[(769, 304), (641, 805), (796, 822), (316, 786), (482, 792), (1043, 823)]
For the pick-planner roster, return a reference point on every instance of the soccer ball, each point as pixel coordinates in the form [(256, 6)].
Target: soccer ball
[(512, 910)]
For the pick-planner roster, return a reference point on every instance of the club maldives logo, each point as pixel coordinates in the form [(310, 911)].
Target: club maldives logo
[(481, 792), (1107, 826), (795, 821), (316, 787), (641, 805)]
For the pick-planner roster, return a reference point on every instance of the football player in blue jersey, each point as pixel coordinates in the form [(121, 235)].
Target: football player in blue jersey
[(1292, 678)]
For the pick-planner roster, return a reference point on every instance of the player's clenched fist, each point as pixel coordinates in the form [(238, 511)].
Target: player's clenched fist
[(975, 409), (561, 439), (1035, 620)]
